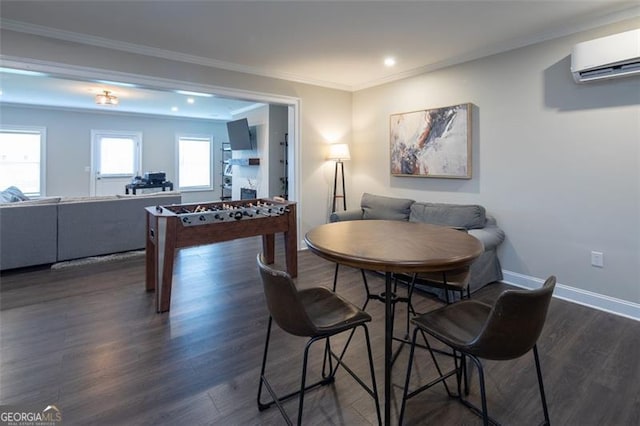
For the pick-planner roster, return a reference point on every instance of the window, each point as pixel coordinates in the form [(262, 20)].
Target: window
[(195, 162), (22, 162), (116, 153)]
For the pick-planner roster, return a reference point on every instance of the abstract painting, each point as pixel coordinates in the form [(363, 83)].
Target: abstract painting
[(432, 143)]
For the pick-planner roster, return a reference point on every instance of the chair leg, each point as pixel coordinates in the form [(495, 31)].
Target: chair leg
[(327, 359), (304, 379), (441, 376), (374, 386), (484, 413), (465, 374), (459, 370), (278, 400), (435, 363), (483, 394), (262, 406), (461, 377), (406, 381), (373, 390), (541, 386)]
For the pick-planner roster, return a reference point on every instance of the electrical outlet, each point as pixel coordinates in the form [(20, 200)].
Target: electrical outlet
[(597, 259)]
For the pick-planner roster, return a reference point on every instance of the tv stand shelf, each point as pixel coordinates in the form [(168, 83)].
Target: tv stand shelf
[(244, 161)]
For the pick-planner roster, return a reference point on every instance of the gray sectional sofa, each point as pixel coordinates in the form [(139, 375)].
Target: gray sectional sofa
[(473, 218), (54, 229)]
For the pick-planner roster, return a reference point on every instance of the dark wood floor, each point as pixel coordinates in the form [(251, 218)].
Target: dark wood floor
[(88, 340)]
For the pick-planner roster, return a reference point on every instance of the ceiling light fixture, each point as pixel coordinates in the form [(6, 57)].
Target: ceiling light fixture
[(190, 100), (174, 109), (389, 62), (106, 98)]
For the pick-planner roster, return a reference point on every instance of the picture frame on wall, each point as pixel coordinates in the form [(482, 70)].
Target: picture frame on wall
[(433, 143)]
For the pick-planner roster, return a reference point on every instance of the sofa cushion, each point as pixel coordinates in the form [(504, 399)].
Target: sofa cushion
[(31, 202), (379, 207), (458, 215), (87, 199)]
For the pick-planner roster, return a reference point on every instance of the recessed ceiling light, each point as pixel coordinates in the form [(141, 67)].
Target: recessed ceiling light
[(174, 109), (190, 100), (389, 61), (188, 93), (22, 72)]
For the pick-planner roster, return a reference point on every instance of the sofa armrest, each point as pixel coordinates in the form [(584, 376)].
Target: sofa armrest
[(342, 216), (491, 236)]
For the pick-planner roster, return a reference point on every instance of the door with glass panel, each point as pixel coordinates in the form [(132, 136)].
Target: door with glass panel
[(115, 160)]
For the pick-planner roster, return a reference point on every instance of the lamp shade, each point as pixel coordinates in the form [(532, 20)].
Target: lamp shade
[(339, 152)]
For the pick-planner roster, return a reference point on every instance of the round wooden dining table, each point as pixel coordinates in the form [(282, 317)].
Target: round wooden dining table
[(393, 246)]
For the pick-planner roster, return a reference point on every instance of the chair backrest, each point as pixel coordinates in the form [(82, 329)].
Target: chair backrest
[(283, 302), (514, 323)]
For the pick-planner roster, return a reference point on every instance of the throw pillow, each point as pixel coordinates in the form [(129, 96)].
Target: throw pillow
[(13, 194), (388, 208), (457, 215)]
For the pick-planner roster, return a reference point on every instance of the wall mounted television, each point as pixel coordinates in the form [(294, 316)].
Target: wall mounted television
[(239, 135)]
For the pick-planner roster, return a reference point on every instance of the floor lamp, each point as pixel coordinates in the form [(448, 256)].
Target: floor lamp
[(339, 152)]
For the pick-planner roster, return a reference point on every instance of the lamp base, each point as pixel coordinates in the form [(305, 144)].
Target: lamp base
[(335, 187)]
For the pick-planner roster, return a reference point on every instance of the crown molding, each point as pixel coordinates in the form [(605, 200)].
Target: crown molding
[(141, 81), (81, 110), (39, 30)]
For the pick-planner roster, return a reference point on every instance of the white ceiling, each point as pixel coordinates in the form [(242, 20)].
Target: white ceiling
[(338, 44), (45, 90)]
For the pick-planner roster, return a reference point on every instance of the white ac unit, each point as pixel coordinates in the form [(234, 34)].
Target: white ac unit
[(613, 56)]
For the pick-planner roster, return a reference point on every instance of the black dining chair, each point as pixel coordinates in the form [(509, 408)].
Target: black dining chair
[(317, 313), (454, 281), (507, 330)]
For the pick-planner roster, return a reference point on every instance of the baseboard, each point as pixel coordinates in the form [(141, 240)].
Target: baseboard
[(575, 295)]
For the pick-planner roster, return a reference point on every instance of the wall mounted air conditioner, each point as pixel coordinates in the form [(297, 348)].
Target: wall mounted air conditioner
[(617, 55)]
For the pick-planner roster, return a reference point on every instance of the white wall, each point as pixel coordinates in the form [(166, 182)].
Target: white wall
[(278, 123), (69, 144), (269, 123), (557, 163)]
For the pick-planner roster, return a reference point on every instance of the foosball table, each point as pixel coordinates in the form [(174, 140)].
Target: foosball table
[(177, 226)]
